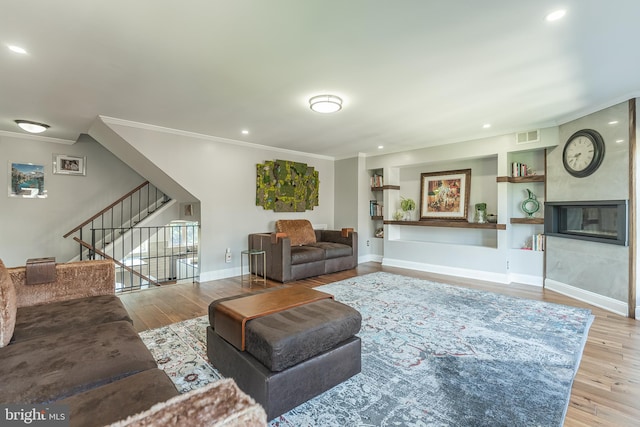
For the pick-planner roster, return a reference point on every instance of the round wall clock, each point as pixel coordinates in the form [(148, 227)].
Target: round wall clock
[(583, 153)]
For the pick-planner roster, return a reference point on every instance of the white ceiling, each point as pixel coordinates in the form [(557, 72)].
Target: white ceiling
[(411, 73)]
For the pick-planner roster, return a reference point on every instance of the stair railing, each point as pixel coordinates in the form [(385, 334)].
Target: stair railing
[(121, 215)]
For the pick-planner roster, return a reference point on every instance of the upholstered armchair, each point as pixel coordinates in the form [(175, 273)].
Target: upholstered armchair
[(296, 251)]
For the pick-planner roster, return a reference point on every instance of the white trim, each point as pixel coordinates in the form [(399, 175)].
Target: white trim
[(40, 138), (161, 129), (450, 271), (219, 274), (369, 258), (592, 298), (525, 279)]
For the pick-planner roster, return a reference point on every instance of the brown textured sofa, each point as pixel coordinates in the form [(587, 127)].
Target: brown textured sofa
[(296, 251), (71, 341)]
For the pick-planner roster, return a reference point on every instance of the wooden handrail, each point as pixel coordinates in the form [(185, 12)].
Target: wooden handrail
[(126, 267), (106, 209)]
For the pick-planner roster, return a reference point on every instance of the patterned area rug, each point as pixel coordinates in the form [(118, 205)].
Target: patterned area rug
[(432, 354)]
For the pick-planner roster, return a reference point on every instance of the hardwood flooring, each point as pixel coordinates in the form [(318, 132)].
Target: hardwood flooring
[(606, 390)]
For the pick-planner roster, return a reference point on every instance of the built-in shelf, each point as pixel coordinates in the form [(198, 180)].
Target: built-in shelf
[(527, 220), (386, 187), (519, 179), (451, 224), (377, 217)]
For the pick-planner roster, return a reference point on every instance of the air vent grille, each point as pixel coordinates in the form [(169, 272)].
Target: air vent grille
[(528, 137)]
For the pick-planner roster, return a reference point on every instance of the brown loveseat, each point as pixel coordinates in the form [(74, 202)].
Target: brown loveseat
[(296, 251), (71, 342)]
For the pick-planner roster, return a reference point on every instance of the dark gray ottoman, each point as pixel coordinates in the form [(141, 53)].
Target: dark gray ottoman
[(293, 355)]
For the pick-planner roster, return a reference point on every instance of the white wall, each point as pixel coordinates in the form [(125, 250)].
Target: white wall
[(33, 228), (221, 174), (483, 254)]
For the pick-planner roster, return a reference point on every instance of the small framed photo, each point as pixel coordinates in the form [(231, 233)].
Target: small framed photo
[(26, 180), (64, 164), (445, 195)]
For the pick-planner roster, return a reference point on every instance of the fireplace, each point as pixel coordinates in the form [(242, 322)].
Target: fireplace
[(603, 221)]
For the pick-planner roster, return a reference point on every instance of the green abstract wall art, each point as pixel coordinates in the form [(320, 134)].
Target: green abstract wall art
[(286, 186)]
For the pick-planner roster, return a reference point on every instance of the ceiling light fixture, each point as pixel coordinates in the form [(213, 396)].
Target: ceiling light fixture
[(17, 49), (245, 132), (325, 103), (486, 126), (555, 15), (32, 127)]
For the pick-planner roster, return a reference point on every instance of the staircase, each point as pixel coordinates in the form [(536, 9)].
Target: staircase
[(112, 234)]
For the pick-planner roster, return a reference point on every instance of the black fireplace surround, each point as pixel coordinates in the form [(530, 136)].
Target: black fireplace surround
[(603, 221)]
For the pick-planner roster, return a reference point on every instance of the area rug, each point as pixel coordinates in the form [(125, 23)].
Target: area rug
[(432, 355)]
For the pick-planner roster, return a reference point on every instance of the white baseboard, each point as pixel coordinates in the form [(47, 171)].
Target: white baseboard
[(219, 274), (369, 258), (592, 298), (525, 279), (450, 271)]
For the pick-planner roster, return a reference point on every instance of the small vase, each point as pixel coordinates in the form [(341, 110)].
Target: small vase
[(408, 216)]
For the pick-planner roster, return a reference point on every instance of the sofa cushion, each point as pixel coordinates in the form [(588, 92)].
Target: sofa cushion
[(56, 366), (8, 306), (306, 254), (68, 316), (291, 336), (119, 399), (299, 231), (333, 250)]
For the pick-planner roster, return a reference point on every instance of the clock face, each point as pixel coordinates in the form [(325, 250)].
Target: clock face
[(583, 153), (580, 152)]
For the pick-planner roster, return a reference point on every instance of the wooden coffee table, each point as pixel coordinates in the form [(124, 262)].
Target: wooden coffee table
[(231, 316)]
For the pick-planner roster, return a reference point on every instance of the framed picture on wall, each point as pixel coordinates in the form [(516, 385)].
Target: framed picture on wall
[(445, 195), (26, 180), (64, 164)]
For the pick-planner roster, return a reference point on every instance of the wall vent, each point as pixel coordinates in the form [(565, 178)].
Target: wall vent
[(528, 137)]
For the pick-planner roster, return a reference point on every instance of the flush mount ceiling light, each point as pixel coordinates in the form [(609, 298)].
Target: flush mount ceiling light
[(17, 49), (32, 127), (325, 103), (555, 15)]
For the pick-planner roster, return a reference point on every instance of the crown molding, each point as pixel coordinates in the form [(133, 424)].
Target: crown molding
[(37, 137), (161, 129)]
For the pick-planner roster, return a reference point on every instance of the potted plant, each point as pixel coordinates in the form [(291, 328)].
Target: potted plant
[(408, 206)]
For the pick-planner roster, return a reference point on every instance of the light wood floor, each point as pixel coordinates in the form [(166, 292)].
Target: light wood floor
[(606, 390)]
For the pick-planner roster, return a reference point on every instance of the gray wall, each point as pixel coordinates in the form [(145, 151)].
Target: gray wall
[(221, 174), (596, 267), (346, 193), (33, 228)]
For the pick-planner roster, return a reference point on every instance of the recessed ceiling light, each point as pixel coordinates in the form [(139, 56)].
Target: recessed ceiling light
[(380, 147), (613, 122), (486, 125), (32, 127), (245, 132), (555, 15), (17, 49), (325, 103)]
